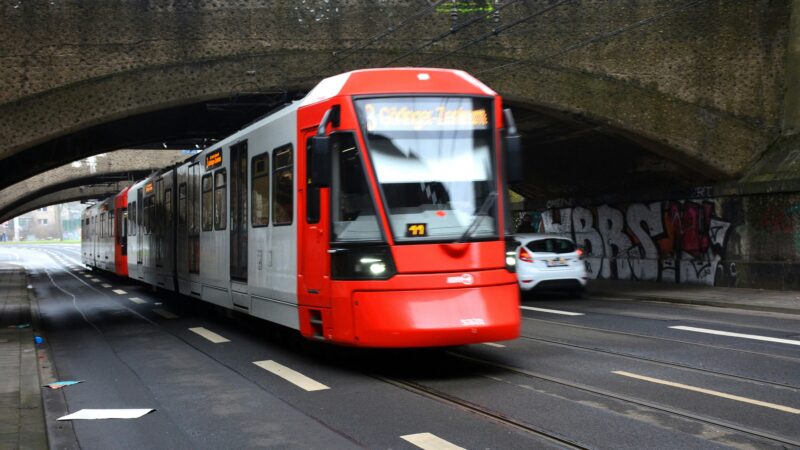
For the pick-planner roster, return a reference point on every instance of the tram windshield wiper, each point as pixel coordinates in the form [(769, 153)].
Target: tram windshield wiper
[(482, 212)]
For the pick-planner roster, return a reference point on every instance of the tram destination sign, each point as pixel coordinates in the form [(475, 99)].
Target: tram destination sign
[(214, 159), (424, 113)]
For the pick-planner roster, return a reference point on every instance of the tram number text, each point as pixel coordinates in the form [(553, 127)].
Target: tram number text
[(472, 322), (416, 230)]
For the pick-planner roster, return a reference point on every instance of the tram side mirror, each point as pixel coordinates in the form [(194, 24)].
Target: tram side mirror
[(319, 161), (513, 150)]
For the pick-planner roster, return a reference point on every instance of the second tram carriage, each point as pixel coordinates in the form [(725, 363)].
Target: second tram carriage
[(370, 213)]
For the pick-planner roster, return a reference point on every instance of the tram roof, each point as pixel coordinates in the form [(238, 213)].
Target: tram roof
[(404, 80)]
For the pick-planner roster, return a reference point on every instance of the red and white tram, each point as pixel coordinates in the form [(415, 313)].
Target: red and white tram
[(371, 213), (103, 231)]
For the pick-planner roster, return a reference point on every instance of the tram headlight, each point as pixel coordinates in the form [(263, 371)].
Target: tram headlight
[(511, 254), (372, 262)]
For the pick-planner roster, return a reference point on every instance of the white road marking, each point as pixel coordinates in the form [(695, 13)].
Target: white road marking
[(430, 441), (137, 300), (106, 285), (87, 275), (165, 314), (492, 344), (292, 376), (551, 311), (710, 392), (739, 335), (208, 334), (119, 291), (96, 280)]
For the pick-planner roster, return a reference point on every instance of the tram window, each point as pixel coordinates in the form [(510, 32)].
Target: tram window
[(312, 193), (148, 201), (352, 209), (132, 219), (260, 190), (194, 199), (182, 204), (220, 194), (167, 207), (110, 224), (282, 189), (208, 207)]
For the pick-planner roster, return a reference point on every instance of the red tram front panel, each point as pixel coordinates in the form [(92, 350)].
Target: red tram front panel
[(397, 251), (121, 233)]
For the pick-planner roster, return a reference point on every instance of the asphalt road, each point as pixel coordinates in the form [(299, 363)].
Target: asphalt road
[(587, 373)]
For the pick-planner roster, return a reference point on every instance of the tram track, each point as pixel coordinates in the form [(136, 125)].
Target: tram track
[(678, 412), (730, 376), (679, 341), (436, 395)]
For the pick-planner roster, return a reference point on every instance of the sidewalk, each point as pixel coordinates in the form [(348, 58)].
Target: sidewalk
[(21, 414), (739, 298)]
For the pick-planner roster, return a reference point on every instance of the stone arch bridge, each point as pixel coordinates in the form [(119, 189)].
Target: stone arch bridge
[(608, 94)]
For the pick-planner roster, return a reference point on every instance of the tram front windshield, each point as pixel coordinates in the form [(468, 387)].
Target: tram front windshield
[(433, 159)]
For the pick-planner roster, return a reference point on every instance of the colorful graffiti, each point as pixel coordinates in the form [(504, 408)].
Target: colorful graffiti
[(670, 241)]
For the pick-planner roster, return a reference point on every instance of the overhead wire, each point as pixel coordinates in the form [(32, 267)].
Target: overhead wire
[(499, 30), (452, 30), (338, 57), (595, 39)]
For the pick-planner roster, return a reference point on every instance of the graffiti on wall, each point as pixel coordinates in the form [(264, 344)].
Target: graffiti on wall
[(669, 241)]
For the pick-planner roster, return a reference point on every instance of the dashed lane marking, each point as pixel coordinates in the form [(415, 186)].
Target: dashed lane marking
[(137, 300), (429, 441), (119, 291), (710, 392), (292, 376), (208, 334), (739, 335), (165, 314), (106, 285), (492, 344), (551, 311), (96, 280)]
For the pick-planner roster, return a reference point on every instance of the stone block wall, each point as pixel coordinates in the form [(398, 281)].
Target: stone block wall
[(738, 241)]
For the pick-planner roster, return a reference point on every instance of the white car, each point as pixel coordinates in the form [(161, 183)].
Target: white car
[(550, 262)]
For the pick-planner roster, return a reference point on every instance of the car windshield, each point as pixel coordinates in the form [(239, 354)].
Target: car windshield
[(432, 157), (551, 245)]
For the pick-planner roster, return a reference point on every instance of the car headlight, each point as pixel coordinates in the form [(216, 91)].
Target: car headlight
[(373, 262)]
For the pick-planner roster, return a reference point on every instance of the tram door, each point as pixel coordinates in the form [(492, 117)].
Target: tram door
[(239, 225), (139, 229)]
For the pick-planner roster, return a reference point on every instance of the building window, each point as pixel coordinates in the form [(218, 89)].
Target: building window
[(260, 190), (220, 194), (42, 221), (283, 187)]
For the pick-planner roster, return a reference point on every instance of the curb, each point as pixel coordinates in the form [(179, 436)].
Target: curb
[(611, 295)]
